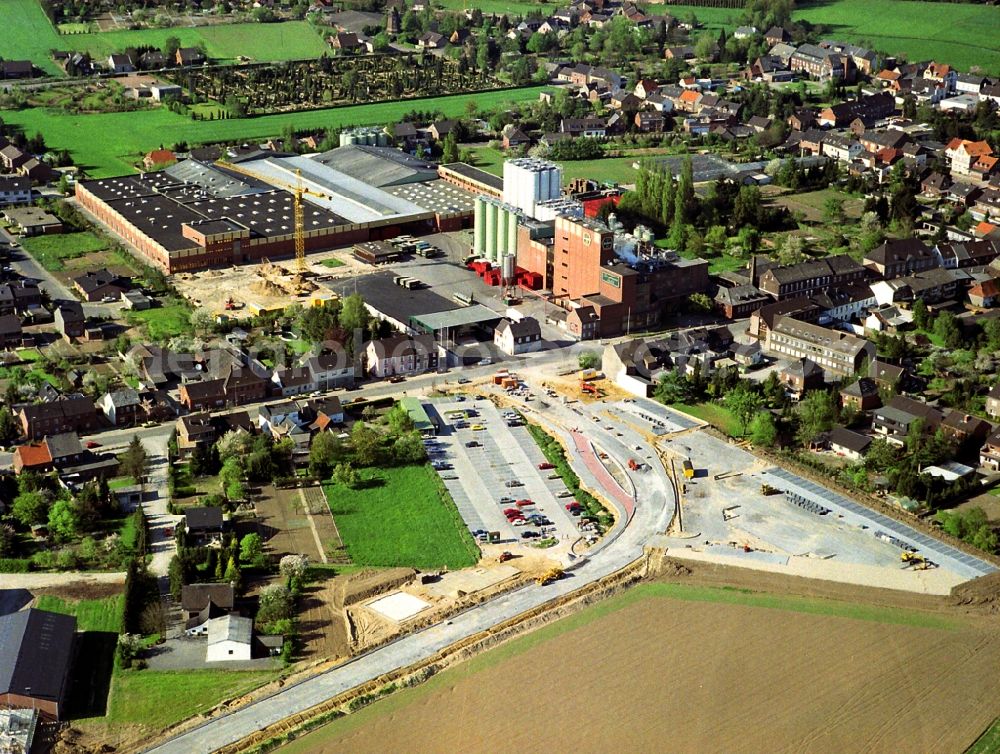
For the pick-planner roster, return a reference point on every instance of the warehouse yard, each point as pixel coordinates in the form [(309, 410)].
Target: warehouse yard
[(685, 668)]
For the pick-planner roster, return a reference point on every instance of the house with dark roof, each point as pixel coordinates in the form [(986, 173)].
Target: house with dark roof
[(203, 395), (189, 56), (850, 444), (96, 284), (122, 407), (862, 394), (201, 602), (966, 428), (203, 521), (70, 320), (518, 336), (894, 420), (36, 654), (802, 375), (73, 413), (900, 256), (401, 354), (10, 331), (808, 277)]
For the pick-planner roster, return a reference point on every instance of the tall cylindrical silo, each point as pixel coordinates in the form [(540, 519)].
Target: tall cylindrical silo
[(507, 267), (479, 228), (490, 251), (511, 233), (537, 178)]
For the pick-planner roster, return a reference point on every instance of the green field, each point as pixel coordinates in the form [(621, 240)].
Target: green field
[(605, 169), (52, 251), (718, 416), (961, 34), (157, 699), (163, 322), (91, 615), (86, 136), (989, 742), (404, 519), (28, 34)]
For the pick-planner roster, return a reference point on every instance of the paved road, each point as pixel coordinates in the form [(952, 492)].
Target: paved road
[(652, 515)]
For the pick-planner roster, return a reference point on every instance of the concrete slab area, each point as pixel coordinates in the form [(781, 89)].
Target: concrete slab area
[(398, 606)]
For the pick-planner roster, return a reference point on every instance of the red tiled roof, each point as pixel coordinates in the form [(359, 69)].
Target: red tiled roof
[(33, 455)]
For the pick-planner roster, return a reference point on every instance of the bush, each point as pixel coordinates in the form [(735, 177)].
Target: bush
[(15, 565)]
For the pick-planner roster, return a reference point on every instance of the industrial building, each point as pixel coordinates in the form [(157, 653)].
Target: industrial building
[(607, 282), (196, 215)]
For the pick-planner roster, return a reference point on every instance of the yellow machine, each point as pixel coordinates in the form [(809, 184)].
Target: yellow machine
[(553, 574), (919, 562)]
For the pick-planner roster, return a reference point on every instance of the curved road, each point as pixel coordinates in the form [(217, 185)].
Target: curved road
[(653, 508)]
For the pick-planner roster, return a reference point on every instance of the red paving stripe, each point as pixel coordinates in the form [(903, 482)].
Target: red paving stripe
[(586, 451)]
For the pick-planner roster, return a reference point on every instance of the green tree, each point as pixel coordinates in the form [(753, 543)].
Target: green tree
[(399, 420), (347, 475), (353, 315), (276, 603), (763, 430), (589, 360), (63, 521), (449, 149), (326, 448), (231, 479), (31, 508), (744, 403), (674, 387), (233, 574), (251, 547), (816, 413), (700, 303), (921, 318), (134, 460), (365, 442), (9, 429), (409, 448), (7, 539), (833, 210)]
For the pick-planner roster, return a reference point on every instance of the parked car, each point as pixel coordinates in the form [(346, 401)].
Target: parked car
[(513, 483), (524, 503), (505, 500), (529, 534), (464, 381), (92, 444), (397, 378), (473, 444), (478, 427), (545, 466), (511, 512)]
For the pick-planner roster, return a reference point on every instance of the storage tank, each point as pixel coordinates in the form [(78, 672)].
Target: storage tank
[(479, 227), (345, 137), (512, 233), (507, 265), (490, 250)]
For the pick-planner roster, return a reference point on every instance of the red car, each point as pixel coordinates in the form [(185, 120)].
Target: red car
[(573, 506), (92, 444), (546, 465), (508, 512), (524, 503)]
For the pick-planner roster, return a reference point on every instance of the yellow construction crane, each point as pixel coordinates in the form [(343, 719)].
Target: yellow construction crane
[(297, 191)]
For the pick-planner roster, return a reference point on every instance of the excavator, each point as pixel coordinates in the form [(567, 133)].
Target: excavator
[(919, 562), (553, 574)]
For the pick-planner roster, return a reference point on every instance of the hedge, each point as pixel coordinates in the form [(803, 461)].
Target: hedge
[(15, 565)]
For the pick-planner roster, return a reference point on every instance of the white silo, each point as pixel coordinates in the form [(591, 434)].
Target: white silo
[(479, 227), (490, 252), (507, 267), (512, 232)]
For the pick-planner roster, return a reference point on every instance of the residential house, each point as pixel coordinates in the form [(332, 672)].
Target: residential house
[(650, 121), (821, 64), (957, 255), (935, 184), (748, 354), (289, 419), (591, 126), (681, 52), (764, 318), (11, 335), (54, 451), (36, 653), (963, 154), (801, 375), (868, 109), (189, 56), (514, 137), (119, 63), (441, 128), (328, 412), (431, 40), (203, 522), (985, 295), (966, 429), (894, 420), (69, 319), (346, 42), (802, 119), (73, 413), (841, 149), (230, 638), (16, 69), (739, 300), (203, 395), (850, 444), (777, 35), (97, 284), (293, 381), (862, 394), (401, 354), (838, 353), (14, 190), (989, 454), (152, 60), (331, 370), (887, 376), (898, 257), (518, 336), (122, 407), (244, 385), (201, 601), (993, 402), (194, 431)]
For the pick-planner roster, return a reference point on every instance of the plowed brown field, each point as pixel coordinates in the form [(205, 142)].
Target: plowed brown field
[(710, 671)]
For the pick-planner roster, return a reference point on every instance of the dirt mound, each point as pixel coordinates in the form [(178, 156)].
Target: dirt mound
[(671, 568), (81, 590), (364, 584), (983, 594)]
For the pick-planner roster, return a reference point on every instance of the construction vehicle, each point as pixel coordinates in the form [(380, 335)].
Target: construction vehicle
[(633, 465), (688, 469), (298, 191), (553, 574), (766, 489), (919, 562), (504, 557), (588, 388)]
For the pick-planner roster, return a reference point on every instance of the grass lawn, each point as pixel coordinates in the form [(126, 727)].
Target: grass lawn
[(137, 133), (29, 34), (120, 483), (605, 170), (91, 615), (163, 322), (921, 30), (406, 520), (155, 699), (811, 204), (718, 416), (332, 262), (712, 18), (29, 354), (52, 251)]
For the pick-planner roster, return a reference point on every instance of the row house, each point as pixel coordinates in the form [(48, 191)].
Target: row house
[(822, 64), (898, 257), (841, 148), (839, 353), (989, 453), (958, 255), (401, 355), (739, 300), (868, 109), (74, 413), (123, 408), (809, 277)]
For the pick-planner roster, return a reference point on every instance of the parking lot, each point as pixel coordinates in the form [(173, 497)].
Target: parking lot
[(491, 468)]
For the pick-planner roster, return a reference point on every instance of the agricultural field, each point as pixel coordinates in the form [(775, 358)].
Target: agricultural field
[(682, 667), (137, 133), (29, 34), (401, 516)]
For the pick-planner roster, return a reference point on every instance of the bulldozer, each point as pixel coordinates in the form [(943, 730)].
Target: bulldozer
[(919, 562), (553, 574)]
